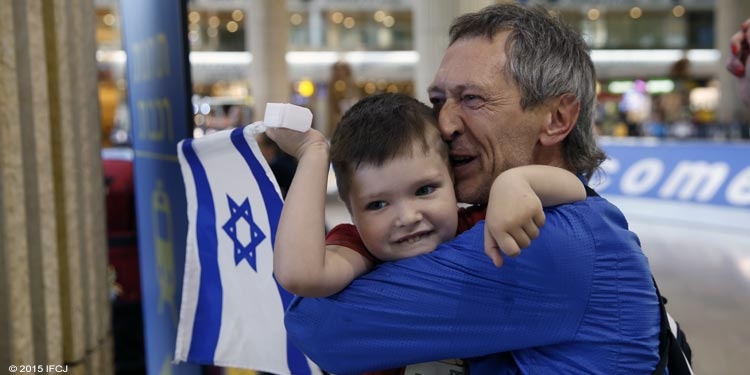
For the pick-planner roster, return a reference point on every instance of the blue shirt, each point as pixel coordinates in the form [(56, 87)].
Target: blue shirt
[(579, 300)]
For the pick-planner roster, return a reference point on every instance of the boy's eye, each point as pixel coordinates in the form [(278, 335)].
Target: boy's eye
[(374, 206), (424, 190)]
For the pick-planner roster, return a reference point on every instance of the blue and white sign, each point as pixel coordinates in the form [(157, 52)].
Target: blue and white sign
[(693, 172), (159, 99)]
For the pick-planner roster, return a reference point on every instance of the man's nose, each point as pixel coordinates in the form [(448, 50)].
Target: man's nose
[(449, 121)]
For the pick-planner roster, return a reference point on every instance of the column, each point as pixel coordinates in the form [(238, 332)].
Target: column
[(53, 286), (432, 20), (268, 28), (728, 14)]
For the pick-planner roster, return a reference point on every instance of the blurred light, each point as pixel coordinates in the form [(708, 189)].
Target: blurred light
[(214, 21), (703, 55), (598, 87), (197, 133), (212, 32), (348, 22), (593, 14), (337, 17), (704, 98), (619, 87), (109, 19), (382, 57), (678, 11), (194, 17), (378, 16), (232, 26), (388, 21), (295, 19), (205, 108), (120, 137), (642, 55), (369, 88), (392, 88), (654, 86), (220, 58), (635, 13), (306, 88), (237, 15), (659, 86), (339, 86)]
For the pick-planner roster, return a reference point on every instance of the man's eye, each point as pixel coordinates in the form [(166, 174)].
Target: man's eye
[(374, 206), (471, 100), (425, 190)]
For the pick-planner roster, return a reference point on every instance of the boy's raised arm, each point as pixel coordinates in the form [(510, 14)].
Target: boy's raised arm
[(515, 208), (302, 263)]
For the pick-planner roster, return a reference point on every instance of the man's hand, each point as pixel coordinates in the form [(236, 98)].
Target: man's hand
[(514, 216), (296, 143)]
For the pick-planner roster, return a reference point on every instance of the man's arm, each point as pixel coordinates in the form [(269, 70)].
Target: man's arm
[(451, 303)]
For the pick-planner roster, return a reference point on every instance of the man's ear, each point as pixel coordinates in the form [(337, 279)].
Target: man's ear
[(564, 113)]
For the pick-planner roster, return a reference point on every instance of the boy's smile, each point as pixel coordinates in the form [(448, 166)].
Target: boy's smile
[(404, 207)]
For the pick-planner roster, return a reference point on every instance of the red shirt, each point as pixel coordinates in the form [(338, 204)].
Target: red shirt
[(346, 235)]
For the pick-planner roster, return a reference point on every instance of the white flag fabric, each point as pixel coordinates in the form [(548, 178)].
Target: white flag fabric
[(232, 312)]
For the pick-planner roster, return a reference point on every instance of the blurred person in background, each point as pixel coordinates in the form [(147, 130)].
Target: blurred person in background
[(738, 61), (343, 92), (282, 164)]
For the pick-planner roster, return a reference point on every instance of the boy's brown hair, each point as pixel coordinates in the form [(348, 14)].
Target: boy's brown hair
[(377, 129)]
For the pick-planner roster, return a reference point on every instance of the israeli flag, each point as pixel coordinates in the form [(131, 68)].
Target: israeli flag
[(232, 312)]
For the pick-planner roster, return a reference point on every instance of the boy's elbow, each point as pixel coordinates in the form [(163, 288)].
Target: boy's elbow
[(289, 281), (300, 285)]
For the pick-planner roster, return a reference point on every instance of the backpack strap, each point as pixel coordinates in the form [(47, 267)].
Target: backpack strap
[(674, 351), (590, 192), (664, 335)]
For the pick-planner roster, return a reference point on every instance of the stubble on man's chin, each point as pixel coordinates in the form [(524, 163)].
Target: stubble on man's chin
[(473, 195)]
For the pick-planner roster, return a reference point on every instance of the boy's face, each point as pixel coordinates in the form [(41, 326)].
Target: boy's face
[(405, 207)]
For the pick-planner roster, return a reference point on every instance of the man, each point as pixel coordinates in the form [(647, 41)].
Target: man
[(515, 87)]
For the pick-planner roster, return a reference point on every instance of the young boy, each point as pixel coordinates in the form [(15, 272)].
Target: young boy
[(393, 175)]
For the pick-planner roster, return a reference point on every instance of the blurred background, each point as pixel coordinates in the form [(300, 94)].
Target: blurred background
[(668, 116), (660, 75), (657, 62)]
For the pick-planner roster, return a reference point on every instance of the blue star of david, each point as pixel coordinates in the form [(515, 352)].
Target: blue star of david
[(243, 251)]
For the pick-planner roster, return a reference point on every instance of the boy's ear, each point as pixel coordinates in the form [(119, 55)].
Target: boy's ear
[(564, 111)]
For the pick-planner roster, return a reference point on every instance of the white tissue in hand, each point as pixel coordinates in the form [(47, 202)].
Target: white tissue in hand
[(290, 116)]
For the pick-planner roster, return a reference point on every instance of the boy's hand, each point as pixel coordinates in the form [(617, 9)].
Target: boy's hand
[(297, 143), (514, 216)]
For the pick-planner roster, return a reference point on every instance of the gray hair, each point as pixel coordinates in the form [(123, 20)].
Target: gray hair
[(546, 58)]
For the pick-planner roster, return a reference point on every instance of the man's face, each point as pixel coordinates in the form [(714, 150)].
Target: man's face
[(480, 115)]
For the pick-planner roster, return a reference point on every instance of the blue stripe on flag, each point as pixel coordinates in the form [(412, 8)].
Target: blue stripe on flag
[(208, 311), (295, 359)]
